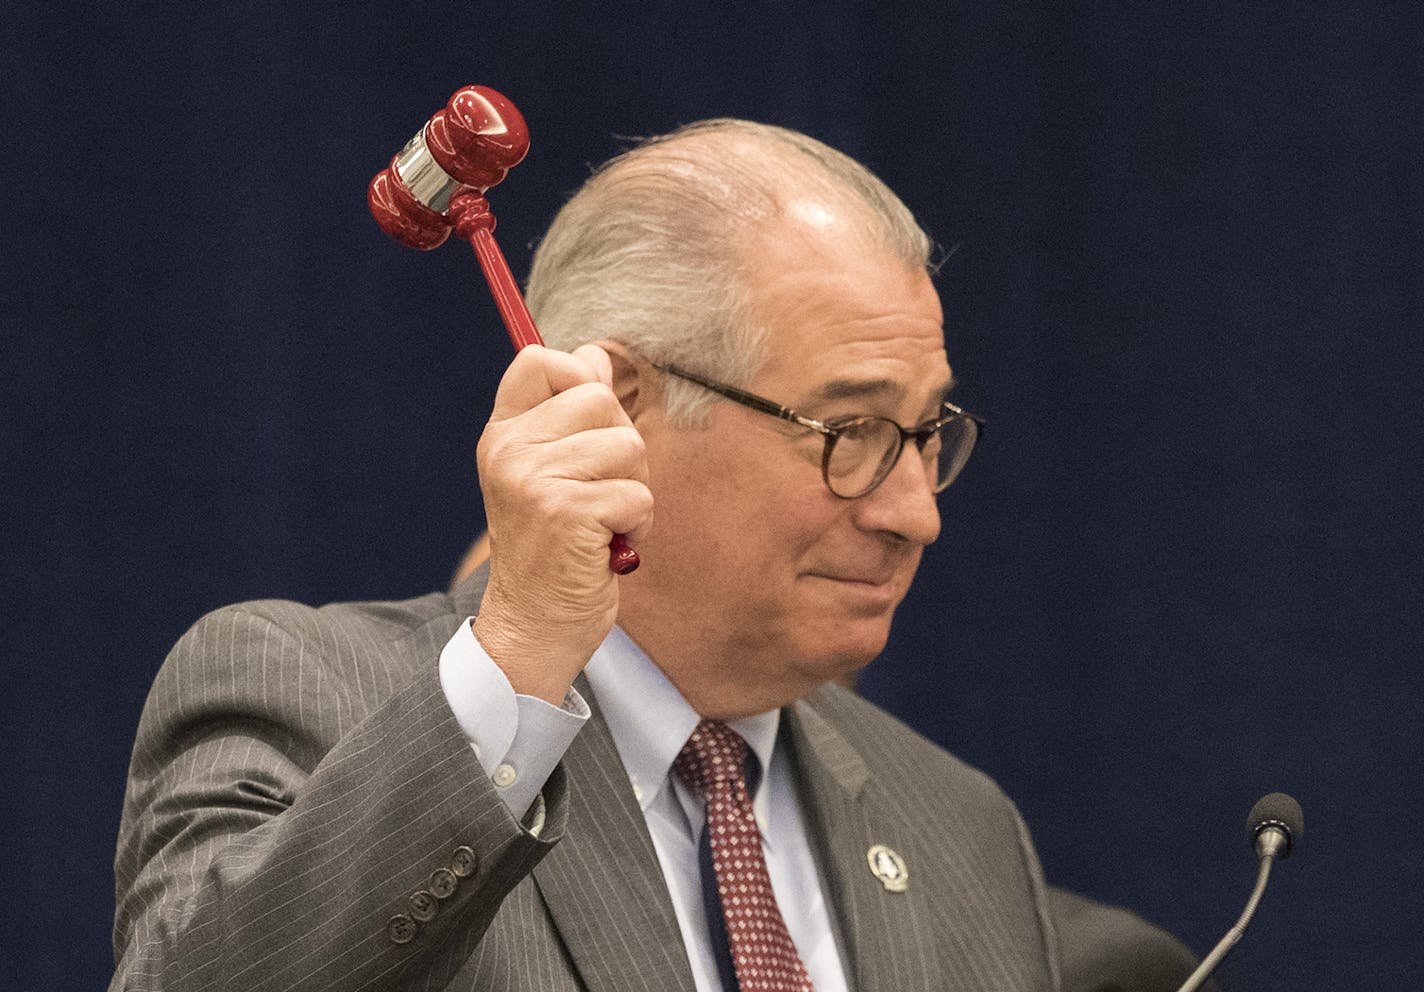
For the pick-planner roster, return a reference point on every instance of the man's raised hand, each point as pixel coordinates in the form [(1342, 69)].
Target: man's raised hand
[(562, 470)]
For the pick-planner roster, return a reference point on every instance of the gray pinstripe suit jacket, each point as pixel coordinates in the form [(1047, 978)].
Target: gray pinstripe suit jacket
[(298, 776)]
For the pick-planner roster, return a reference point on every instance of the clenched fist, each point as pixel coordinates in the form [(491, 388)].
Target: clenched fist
[(562, 470)]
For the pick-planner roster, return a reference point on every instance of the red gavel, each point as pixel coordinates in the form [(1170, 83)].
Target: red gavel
[(436, 184)]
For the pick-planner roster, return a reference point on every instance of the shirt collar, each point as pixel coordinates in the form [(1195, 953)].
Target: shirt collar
[(650, 721)]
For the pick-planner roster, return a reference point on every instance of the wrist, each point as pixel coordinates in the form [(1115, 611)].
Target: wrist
[(539, 666)]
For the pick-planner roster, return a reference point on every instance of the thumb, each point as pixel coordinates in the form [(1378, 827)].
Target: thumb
[(598, 359)]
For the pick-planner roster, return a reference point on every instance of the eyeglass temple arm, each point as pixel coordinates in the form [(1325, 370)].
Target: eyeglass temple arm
[(746, 399)]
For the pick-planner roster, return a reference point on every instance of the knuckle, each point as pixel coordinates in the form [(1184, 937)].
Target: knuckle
[(495, 449), (563, 504), (627, 447), (597, 397), (634, 440), (633, 496)]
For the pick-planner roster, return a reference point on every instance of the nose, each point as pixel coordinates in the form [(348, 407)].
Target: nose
[(904, 504)]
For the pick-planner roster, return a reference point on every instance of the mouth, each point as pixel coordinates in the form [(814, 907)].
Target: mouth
[(882, 589), (882, 577)]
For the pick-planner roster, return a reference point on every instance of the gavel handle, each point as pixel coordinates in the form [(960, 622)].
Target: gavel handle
[(472, 220)]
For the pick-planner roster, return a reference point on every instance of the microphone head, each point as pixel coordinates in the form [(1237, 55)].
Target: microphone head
[(1278, 811)]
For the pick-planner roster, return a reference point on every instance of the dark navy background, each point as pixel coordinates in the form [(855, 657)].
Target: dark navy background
[(1185, 288)]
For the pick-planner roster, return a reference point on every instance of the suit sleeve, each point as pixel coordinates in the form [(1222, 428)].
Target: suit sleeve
[(1107, 949), (281, 815)]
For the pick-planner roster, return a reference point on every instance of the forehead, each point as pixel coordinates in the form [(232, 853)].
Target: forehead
[(843, 317)]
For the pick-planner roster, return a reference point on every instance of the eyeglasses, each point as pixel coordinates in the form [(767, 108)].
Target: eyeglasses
[(861, 451)]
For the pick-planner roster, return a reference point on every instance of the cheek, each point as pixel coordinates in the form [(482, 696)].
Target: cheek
[(699, 516), (752, 504)]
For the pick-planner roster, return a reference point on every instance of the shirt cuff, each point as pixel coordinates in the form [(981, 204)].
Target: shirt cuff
[(516, 739)]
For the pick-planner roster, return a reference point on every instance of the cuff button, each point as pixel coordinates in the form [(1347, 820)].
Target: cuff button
[(442, 883), (423, 906), (464, 862), (400, 929)]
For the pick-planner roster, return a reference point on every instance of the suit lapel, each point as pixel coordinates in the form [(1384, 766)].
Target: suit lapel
[(603, 884), (881, 932), (605, 890)]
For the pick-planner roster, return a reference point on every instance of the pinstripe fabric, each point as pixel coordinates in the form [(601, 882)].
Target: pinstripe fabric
[(603, 884), (974, 916), (298, 775)]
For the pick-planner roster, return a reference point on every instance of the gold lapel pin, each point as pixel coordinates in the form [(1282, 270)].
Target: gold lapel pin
[(889, 868)]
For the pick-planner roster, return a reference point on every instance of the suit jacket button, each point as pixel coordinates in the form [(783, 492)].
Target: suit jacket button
[(463, 862), (423, 906), (442, 883), (401, 929)]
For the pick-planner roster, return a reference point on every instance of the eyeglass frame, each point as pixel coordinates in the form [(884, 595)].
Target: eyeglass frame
[(832, 432)]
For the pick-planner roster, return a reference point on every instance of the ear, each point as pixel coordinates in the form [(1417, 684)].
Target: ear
[(636, 383)]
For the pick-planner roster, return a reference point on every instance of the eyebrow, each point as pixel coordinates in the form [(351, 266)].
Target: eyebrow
[(851, 389)]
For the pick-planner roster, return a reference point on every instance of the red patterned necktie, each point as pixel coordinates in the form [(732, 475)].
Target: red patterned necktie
[(713, 763)]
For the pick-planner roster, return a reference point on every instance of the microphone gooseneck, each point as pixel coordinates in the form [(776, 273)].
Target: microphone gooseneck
[(1273, 828)]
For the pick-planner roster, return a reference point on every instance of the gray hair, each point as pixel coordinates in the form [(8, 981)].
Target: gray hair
[(648, 251)]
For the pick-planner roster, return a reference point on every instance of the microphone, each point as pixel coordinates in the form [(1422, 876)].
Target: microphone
[(1273, 828)]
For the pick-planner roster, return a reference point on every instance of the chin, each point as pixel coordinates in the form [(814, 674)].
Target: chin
[(841, 660)]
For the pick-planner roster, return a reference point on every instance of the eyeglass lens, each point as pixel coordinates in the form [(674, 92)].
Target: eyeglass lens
[(865, 450)]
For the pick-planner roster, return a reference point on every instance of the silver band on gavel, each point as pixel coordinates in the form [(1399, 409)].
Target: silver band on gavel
[(423, 176)]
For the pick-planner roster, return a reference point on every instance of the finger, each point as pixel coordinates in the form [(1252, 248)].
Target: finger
[(613, 506), (541, 481), (584, 426), (603, 453), (598, 359), (585, 407), (536, 374), (577, 516)]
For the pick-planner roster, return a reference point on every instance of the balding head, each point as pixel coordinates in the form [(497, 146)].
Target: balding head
[(651, 250)]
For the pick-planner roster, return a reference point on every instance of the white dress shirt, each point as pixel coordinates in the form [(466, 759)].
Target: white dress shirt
[(519, 739)]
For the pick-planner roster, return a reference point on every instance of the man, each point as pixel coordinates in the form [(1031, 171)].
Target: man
[(753, 387)]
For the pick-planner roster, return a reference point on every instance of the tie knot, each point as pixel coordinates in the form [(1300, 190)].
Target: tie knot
[(714, 753)]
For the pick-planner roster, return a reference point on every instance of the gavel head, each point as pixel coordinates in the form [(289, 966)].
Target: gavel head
[(470, 144), (478, 137)]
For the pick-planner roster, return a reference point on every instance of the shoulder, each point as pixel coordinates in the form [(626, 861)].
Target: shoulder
[(896, 754), (1104, 947), (293, 664), (338, 635), (960, 837), (317, 626)]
